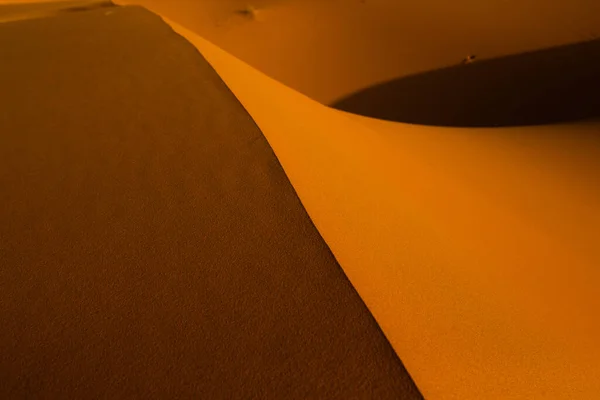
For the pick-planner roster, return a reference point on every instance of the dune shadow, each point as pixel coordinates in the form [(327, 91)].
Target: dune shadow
[(558, 84)]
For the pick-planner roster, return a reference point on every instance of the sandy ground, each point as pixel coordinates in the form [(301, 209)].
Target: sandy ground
[(151, 245), (548, 86), (475, 249), (35, 9), (328, 49)]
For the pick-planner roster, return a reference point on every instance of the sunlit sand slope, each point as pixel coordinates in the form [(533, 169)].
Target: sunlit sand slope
[(151, 245), (329, 49), (477, 250)]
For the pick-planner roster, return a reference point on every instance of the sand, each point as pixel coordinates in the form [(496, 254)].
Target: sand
[(476, 250), (330, 49), (151, 244), (32, 9), (548, 86)]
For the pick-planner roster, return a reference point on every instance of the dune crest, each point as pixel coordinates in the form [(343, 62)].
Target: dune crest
[(329, 49), (474, 250), (151, 245)]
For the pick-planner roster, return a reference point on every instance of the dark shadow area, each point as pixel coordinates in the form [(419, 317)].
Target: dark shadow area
[(553, 85)]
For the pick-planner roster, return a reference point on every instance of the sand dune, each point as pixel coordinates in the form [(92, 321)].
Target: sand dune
[(330, 49), (353, 45), (474, 249), (13, 11), (555, 85), (151, 245)]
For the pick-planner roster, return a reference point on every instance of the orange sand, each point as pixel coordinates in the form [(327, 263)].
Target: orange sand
[(475, 249), (151, 245), (328, 49)]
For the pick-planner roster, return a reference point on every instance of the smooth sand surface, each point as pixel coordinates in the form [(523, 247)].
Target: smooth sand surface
[(329, 49), (151, 245), (10, 10), (555, 85), (475, 249)]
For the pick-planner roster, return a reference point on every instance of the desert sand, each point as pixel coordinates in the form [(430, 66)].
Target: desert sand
[(152, 246), (329, 49), (475, 249)]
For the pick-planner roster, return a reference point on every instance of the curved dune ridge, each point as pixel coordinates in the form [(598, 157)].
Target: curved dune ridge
[(476, 250), (548, 86), (151, 244), (330, 49)]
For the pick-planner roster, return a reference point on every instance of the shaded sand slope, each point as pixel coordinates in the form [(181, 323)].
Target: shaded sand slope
[(16, 11), (475, 249), (554, 85), (329, 49), (151, 245)]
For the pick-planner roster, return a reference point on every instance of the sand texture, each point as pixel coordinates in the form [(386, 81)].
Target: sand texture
[(151, 244), (475, 249), (175, 219), (331, 49)]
